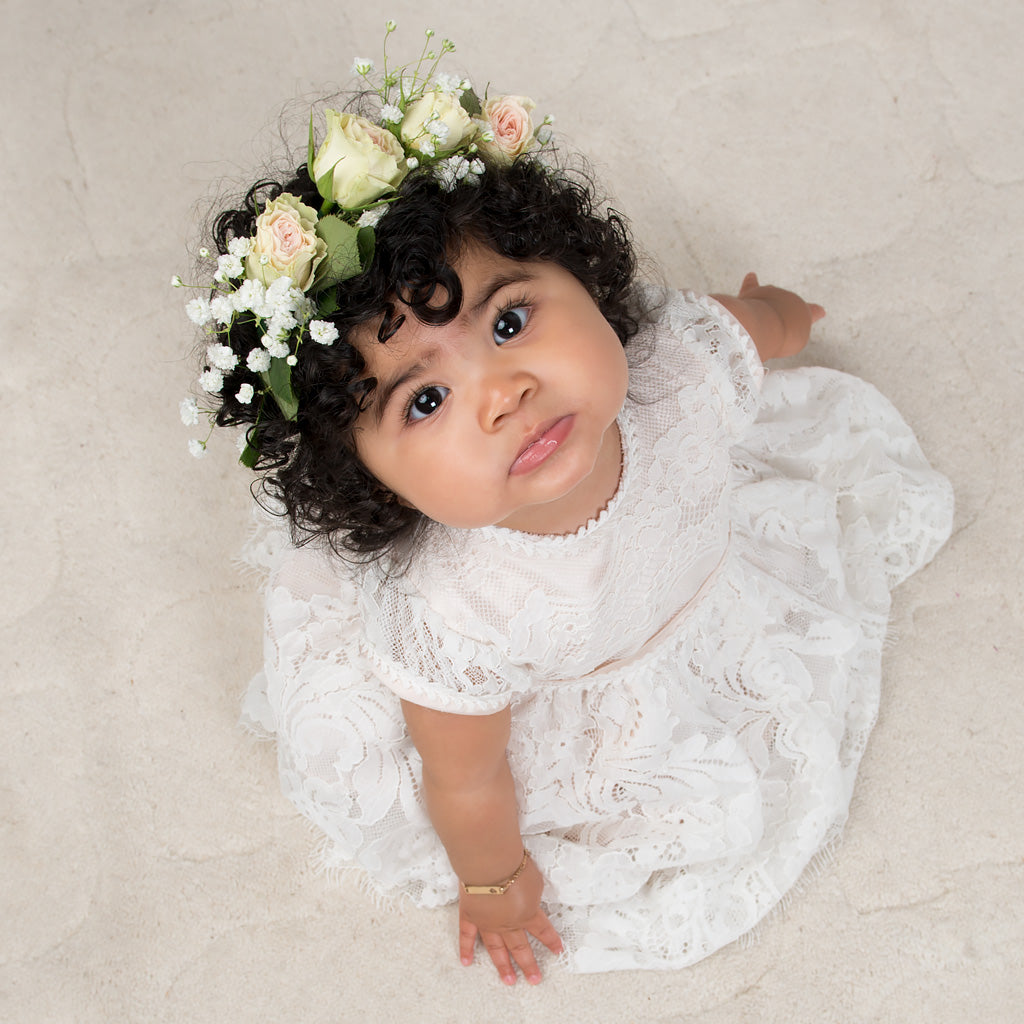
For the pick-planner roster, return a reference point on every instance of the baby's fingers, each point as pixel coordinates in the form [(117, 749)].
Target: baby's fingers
[(499, 945), (817, 312), (544, 930), (467, 940)]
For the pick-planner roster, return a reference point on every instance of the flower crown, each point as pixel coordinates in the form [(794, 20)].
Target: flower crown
[(283, 278)]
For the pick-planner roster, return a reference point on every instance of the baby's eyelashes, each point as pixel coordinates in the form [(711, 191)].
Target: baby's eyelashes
[(425, 402), (509, 323)]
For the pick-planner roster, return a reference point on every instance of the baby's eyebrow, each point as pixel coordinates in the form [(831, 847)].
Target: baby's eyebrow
[(387, 386), (489, 288)]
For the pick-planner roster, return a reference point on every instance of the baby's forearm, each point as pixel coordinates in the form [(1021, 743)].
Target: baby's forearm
[(478, 824), (468, 790)]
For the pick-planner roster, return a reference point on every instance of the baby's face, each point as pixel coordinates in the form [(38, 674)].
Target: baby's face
[(507, 414)]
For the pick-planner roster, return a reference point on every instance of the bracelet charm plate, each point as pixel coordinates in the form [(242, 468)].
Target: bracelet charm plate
[(502, 887)]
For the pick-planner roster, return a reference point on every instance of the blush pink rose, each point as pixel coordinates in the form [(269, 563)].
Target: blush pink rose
[(508, 118), (286, 243)]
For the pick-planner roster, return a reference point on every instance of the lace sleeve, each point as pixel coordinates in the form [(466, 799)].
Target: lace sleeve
[(699, 342), (424, 659)]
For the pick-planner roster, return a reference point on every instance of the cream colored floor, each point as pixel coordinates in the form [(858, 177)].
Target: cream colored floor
[(868, 152)]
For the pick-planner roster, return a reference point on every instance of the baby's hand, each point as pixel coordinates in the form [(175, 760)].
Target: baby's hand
[(778, 321), (503, 923)]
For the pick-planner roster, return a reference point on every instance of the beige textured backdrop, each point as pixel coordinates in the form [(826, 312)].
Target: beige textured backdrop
[(867, 152)]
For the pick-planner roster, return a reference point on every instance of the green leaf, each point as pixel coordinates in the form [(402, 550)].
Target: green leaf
[(327, 304), (249, 456), (342, 259), (279, 379), (325, 184), (470, 103), (311, 150), (366, 239)]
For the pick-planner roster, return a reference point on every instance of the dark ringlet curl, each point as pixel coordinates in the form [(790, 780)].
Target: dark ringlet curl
[(524, 211)]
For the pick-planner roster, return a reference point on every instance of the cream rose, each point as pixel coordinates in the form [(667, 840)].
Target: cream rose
[(367, 160), (436, 122), (508, 118), (286, 243)]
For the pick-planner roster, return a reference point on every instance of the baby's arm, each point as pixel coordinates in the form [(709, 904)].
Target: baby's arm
[(470, 797), (779, 322)]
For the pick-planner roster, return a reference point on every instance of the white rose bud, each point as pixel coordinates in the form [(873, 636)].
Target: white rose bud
[(434, 108), (367, 160)]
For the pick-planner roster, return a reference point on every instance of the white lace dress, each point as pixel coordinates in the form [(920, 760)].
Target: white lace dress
[(692, 676)]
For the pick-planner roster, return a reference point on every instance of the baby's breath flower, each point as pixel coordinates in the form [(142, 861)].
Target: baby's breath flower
[(251, 295), (197, 449), (211, 380), (228, 266), (221, 357), (436, 127), (282, 294), (390, 113), (390, 25), (412, 163), (292, 360), (189, 411), (240, 247), (245, 393), (204, 253), (176, 282), (451, 171), (370, 218), (427, 146), (281, 324), (198, 311), (449, 83), (258, 360), (323, 332), (362, 66), (477, 167), (221, 309), (278, 349)]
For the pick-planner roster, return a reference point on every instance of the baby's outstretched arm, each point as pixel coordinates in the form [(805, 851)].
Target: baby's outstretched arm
[(779, 322), (470, 796)]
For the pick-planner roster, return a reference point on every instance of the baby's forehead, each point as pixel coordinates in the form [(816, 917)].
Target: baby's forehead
[(384, 353)]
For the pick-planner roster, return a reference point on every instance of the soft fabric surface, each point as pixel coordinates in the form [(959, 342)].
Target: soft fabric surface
[(867, 154)]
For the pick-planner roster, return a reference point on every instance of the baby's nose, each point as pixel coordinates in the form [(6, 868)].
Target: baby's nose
[(504, 394)]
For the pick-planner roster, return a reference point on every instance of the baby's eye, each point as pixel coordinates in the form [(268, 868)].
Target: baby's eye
[(426, 402), (509, 323)]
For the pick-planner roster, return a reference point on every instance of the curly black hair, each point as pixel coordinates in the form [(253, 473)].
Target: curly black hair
[(523, 211)]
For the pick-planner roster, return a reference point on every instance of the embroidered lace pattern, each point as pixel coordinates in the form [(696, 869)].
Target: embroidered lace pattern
[(693, 675)]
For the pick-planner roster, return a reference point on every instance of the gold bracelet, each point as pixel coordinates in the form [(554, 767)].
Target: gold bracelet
[(501, 887)]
